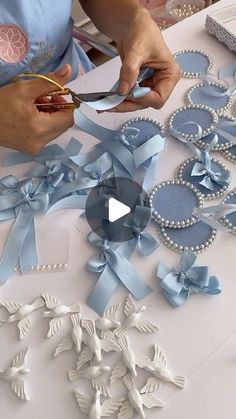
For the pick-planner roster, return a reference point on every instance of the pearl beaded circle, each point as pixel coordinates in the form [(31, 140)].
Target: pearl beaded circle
[(230, 154), (199, 71), (175, 131), (181, 223), (165, 236), (158, 125), (190, 100)]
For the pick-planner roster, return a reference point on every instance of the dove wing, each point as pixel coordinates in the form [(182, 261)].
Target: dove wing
[(126, 411), (110, 406), (109, 345), (24, 326), (85, 356), (99, 384), (38, 302), (18, 387), (159, 356), (146, 326), (142, 361), (150, 401), (83, 402), (89, 326), (119, 371), (111, 311), (19, 359), (50, 301), (152, 385), (54, 326), (65, 345), (130, 306), (11, 306)]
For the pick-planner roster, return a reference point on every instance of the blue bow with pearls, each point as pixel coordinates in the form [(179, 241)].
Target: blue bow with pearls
[(178, 285)]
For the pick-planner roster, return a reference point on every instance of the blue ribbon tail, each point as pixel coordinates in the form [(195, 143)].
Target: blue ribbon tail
[(103, 290), (28, 255), (15, 243)]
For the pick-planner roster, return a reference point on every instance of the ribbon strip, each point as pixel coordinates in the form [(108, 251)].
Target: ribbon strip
[(136, 92)]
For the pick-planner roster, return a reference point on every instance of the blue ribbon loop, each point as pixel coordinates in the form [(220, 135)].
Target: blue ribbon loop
[(114, 268), (178, 285)]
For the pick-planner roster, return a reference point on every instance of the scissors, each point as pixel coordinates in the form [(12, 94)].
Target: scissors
[(77, 98)]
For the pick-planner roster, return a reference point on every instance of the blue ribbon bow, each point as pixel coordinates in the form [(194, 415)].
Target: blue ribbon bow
[(204, 169), (20, 200), (143, 242), (114, 268), (178, 285)]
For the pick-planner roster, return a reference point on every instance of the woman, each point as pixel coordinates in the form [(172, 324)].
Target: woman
[(36, 36)]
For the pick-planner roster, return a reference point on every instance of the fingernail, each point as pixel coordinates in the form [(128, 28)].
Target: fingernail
[(124, 87), (61, 72)]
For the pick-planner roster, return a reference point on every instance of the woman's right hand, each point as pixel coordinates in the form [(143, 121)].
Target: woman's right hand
[(23, 126)]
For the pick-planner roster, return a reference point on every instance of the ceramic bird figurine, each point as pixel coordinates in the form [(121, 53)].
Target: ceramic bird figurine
[(158, 368), (74, 339), (135, 318), (106, 322), (57, 311), (94, 409), (15, 375), (127, 362), (21, 313), (95, 373), (94, 344), (136, 401)]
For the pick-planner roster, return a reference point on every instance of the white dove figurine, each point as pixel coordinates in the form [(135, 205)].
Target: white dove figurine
[(136, 401), (127, 362), (94, 409), (94, 344), (57, 311), (106, 323), (159, 371), (135, 318), (20, 313), (74, 339), (15, 375), (95, 373)]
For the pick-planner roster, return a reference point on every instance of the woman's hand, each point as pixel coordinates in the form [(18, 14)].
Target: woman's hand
[(141, 45), (23, 126)]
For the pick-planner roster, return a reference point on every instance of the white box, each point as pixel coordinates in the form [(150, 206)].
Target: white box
[(222, 24)]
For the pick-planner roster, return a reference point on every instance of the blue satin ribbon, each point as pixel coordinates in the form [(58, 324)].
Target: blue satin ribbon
[(51, 152), (26, 201), (113, 268), (227, 71), (178, 285), (204, 169), (212, 214), (211, 78), (136, 92), (127, 158)]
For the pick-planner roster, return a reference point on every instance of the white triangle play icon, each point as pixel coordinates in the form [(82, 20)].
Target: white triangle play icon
[(116, 210)]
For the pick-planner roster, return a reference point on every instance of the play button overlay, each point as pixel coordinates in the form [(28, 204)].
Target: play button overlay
[(116, 210), (111, 205)]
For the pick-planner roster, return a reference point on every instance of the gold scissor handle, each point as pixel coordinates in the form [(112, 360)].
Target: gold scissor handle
[(62, 92)]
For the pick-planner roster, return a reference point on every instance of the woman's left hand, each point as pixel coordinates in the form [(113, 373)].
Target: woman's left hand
[(141, 45)]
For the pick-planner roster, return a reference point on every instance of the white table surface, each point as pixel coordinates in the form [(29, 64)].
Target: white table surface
[(199, 338)]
